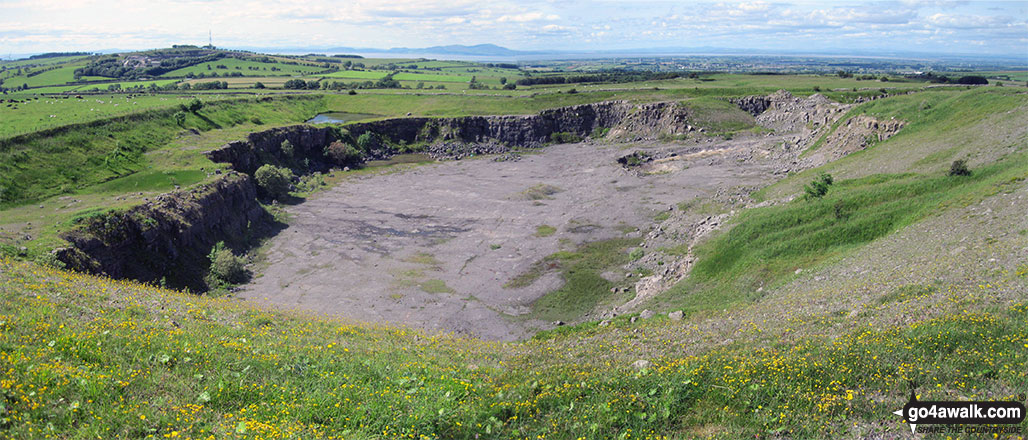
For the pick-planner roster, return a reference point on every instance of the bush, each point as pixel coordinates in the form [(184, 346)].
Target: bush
[(180, 118), (343, 154), (275, 181), (287, 148), (49, 259), (561, 137), (959, 168), (226, 267), (818, 187), (367, 141)]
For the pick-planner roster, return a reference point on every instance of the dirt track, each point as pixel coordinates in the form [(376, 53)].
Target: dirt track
[(432, 247)]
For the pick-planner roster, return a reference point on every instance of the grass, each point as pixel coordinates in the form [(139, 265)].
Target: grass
[(89, 357), (942, 125), (61, 75), (540, 191), (32, 113), (245, 67), (435, 286), (44, 165), (765, 246), (583, 287), (545, 231), (718, 115)]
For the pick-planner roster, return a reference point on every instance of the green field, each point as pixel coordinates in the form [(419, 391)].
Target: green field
[(40, 61), (246, 67), (41, 166), (357, 74), (32, 113), (62, 75)]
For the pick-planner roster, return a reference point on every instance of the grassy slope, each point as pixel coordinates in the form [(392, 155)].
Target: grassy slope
[(943, 125), (897, 183), (61, 75), (763, 247), (47, 165), (33, 113), (87, 357)]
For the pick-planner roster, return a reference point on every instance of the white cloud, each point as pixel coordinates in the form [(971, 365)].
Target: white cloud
[(47, 25)]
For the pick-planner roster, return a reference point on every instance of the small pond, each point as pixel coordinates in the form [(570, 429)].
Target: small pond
[(339, 117)]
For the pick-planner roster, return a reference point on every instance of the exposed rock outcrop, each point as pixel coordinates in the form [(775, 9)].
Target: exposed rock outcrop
[(654, 119), (753, 105), (168, 237), (857, 133), (266, 147)]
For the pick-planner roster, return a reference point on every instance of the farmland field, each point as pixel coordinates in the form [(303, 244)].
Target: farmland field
[(245, 67)]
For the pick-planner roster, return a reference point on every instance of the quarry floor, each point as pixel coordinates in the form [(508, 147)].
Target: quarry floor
[(432, 246)]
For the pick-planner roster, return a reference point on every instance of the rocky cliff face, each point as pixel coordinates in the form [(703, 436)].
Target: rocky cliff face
[(516, 130), (652, 120), (266, 147), (168, 237), (512, 131), (754, 105)]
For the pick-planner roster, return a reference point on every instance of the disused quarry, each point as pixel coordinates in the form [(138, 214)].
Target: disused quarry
[(467, 245)]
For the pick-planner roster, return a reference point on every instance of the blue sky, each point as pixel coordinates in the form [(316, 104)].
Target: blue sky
[(993, 28)]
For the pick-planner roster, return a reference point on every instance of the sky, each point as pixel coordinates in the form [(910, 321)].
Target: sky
[(944, 27)]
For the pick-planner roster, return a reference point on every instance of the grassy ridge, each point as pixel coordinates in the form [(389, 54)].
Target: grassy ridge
[(87, 357), (37, 167), (942, 125), (764, 246)]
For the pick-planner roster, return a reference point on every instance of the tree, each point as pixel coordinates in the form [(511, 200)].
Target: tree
[(818, 187), (258, 85), (273, 180), (194, 106), (295, 84), (972, 80)]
